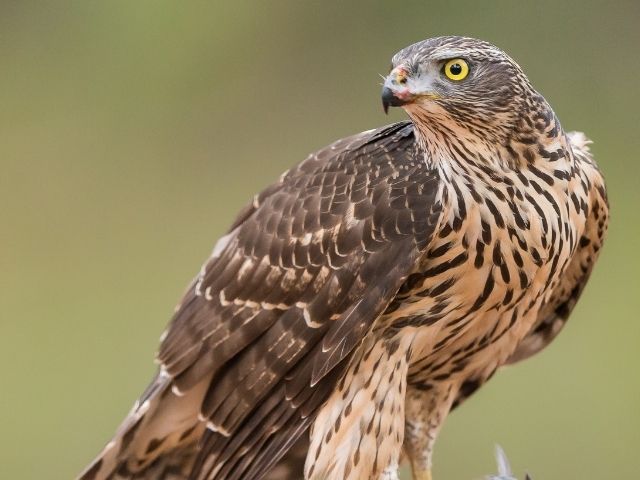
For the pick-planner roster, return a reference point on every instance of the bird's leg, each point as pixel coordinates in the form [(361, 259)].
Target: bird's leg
[(422, 475), (358, 432), (425, 411)]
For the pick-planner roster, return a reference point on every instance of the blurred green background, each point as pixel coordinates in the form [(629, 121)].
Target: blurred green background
[(132, 132)]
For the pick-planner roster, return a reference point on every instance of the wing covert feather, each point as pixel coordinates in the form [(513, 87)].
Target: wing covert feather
[(293, 288)]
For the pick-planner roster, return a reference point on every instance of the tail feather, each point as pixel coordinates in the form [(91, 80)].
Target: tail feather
[(158, 440)]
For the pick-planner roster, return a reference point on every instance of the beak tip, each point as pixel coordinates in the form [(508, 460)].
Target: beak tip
[(389, 99)]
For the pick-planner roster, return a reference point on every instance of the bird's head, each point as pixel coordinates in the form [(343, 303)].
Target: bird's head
[(453, 83)]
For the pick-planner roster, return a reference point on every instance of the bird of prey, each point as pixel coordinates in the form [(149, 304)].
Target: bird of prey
[(376, 285)]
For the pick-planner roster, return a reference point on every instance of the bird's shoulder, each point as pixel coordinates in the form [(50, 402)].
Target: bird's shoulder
[(392, 144), (377, 178)]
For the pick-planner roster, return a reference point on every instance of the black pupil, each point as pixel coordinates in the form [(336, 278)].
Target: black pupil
[(455, 69)]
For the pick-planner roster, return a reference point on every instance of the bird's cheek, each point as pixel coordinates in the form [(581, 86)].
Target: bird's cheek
[(403, 94)]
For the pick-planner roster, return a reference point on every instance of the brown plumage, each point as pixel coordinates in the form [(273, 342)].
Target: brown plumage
[(375, 286)]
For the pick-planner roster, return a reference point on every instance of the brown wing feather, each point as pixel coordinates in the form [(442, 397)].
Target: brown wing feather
[(292, 289)]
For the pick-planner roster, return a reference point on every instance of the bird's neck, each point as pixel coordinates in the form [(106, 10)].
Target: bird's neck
[(536, 138), (444, 145)]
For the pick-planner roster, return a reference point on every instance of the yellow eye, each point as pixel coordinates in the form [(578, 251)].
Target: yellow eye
[(456, 69)]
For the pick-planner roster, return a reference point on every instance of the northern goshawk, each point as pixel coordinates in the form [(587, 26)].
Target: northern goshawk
[(376, 285)]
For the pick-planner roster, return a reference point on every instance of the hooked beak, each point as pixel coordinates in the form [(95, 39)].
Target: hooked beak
[(401, 89), (389, 99), (395, 91)]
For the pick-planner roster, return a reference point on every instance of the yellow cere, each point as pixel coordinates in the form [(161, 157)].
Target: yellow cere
[(456, 69)]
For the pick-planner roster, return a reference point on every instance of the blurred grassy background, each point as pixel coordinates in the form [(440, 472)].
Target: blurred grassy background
[(132, 132)]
